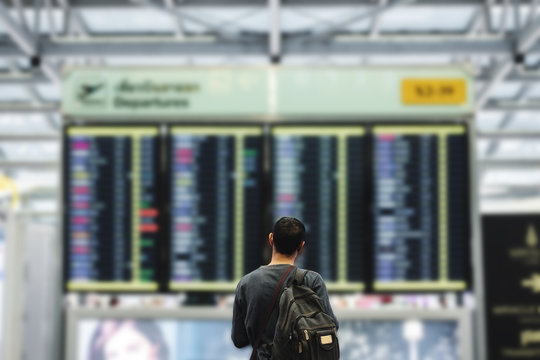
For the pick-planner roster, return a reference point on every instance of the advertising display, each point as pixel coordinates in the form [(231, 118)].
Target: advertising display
[(511, 246), (110, 339), (205, 334), (399, 340)]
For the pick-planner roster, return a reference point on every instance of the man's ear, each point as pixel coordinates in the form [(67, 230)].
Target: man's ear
[(301, 247), (271, 239)]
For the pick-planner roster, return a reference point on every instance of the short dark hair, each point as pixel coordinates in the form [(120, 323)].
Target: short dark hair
[(289, 233)]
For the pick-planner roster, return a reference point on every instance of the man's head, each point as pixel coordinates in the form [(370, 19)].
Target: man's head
[(288, 235)]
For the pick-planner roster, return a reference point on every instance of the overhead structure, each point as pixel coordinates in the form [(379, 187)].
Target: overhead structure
[(497, 40)]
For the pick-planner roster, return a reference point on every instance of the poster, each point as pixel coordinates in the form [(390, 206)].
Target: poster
[(511, 245), (163, 339), (114, 339), (399, 340)]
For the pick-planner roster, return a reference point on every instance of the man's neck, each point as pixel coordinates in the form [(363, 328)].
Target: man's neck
[(278, 259)]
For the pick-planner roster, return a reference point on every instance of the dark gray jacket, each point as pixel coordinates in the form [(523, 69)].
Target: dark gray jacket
[(252, 298)]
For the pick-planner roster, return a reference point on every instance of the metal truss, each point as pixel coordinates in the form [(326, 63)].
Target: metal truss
[(500, 40), (483, 38)]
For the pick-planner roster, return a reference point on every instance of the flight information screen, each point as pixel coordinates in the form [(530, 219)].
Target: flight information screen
[(111, 208), (319, 177), (421, 208), (216, 206)]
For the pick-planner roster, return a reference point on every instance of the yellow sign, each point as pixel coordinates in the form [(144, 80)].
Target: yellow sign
[(6, 184), (434, 91)]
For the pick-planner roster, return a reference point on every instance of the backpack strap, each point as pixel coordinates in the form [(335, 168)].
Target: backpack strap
[(269, 310), (297, 277)]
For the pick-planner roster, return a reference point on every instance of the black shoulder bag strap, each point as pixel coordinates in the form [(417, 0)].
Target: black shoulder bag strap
[(269, 311)]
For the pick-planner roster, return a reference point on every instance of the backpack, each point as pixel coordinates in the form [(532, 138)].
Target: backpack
[(304, 330)]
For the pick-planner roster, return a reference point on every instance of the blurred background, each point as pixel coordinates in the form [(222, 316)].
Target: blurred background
[(54, 306)]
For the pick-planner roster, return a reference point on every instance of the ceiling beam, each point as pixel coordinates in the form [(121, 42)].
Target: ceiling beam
[(177, 21), (401, 47), (17, 4), (498, 106), (499, 73), (529, 36), (532, 12), (509, 163), (274, 31), (224, 32), (330, 29), (24, 78), (34, 165), (262, 3), (514, 76), (508, 135), (21, 36), (508, 118), (75, 20), (50, 107), (102, 47), (376, 21), (6, 137), (526, 41)]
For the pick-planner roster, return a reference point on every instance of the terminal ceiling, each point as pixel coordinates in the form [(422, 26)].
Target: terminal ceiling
[(497, 40)]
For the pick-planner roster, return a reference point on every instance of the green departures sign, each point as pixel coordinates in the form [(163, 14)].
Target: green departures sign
[(236, 92), (164, 92)]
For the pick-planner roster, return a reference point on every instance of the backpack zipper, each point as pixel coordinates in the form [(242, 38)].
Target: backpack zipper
[(293, 328), (322, 327)]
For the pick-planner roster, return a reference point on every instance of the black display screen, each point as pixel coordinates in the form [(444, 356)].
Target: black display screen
[(421, 208), (112, 208), (319, 176), (217, 205), (386, 207)]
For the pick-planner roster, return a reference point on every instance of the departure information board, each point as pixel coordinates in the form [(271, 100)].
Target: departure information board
[(111, 208), (318, 176), (188, 208), (421, 208), (217, 206)]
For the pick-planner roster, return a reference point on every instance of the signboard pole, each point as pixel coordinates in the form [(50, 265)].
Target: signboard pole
[(3, 308), (13, 289), (476, 248)]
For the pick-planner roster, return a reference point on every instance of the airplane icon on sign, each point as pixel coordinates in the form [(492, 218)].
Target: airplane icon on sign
[(87, 90)]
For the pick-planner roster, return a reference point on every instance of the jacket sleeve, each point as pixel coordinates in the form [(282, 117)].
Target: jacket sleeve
[(239, 334), (319, 287)]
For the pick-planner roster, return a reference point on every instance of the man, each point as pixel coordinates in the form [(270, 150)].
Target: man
[(254, 291)]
